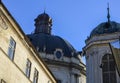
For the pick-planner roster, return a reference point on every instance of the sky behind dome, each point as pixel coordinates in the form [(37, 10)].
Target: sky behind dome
[(73, 20)]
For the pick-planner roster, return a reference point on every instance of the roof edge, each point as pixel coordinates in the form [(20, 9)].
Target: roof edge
[(44, 66)]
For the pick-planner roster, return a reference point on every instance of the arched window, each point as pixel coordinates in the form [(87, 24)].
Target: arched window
[(108, 69)]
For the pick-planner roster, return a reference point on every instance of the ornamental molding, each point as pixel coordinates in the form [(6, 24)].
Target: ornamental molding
[(3, 23), (60, 51)]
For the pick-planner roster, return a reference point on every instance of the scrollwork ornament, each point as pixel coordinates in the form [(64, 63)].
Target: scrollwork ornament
[(3, 24)]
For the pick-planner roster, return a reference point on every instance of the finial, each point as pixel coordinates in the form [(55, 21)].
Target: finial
[(108, 15), (44, 9)]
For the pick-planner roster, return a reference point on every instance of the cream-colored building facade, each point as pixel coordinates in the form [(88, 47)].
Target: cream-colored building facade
[(19, 62)]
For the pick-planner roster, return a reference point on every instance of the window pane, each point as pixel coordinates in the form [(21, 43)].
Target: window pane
[(28, 68), (10, 53), (113, 77), (110, 57), (11, 48), (109, 74), (35, 79), (105, 66), (105, 78), (112, 66), (104, 58)]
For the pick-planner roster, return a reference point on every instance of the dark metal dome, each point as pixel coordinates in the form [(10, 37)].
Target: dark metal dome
[(43, 16), (105, 28), (49, 43), (43, 41)]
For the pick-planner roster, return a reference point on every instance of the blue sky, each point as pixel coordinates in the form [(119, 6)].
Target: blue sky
[(73, 20)]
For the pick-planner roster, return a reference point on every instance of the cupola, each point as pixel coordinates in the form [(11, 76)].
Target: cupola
[(43, 24), (106, 27)]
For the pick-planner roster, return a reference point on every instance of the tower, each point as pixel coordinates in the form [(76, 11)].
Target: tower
[(100, 63), (61, 57), (43, 24)]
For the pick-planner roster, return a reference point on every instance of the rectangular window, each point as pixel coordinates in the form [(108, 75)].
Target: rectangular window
[(2, 81), (28, 68), (35, 79), (11, 48)]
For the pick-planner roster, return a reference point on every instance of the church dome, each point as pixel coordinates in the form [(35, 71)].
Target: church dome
[(49, 43), (105, 28), (42, 16), (43, 41)]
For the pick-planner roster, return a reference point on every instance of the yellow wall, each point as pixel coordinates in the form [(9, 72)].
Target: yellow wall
[(14, 71)]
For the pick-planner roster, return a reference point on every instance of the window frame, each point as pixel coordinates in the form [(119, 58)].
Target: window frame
[(28, 68), (11, 48), (36, 74), (107, 70)]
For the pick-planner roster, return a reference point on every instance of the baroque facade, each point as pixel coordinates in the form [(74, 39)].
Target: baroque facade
[(19, 61), (43, 58), (100, 62), (62, 59)]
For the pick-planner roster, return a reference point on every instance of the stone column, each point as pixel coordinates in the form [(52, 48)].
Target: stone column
[(72, 78)]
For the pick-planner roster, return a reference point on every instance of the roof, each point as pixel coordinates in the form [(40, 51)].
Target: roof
[(43, 16), (103, 28), (49, 43), (22, 35)]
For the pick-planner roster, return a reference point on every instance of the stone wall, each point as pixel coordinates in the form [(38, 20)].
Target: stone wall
[(13, 71)]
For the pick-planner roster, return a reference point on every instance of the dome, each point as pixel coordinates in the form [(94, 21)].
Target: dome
[(43, 16), (43, 41), (49, 43), (106, 28)]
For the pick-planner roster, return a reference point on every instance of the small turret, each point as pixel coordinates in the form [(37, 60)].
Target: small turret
[(43, 24)]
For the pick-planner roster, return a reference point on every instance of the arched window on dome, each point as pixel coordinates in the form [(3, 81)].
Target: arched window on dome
[(108, 69)]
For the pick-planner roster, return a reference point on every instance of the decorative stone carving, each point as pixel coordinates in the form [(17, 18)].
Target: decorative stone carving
[(3, 24), (58, 53)]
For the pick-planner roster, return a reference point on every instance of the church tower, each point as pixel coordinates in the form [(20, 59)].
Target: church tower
[(100, 63), (60, 56), (43, 24)]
